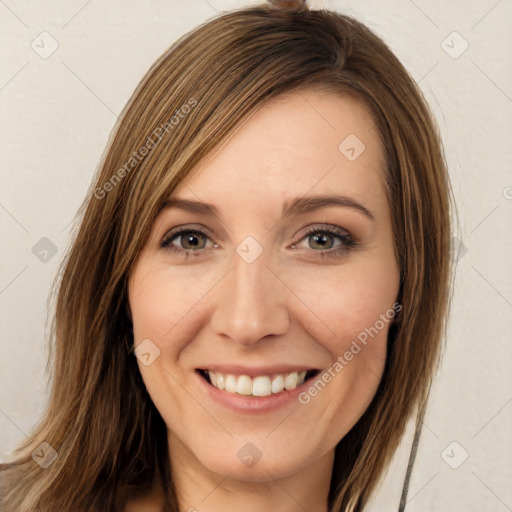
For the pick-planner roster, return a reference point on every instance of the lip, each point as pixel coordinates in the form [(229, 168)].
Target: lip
[(252, 404)]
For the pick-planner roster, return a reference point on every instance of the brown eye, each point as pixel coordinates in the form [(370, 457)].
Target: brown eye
[(321, 240), (328, 241), (187, 241), (192, 240)]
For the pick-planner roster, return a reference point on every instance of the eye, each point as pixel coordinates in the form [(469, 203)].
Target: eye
[(326, 241), (187, 241), (331, 241)]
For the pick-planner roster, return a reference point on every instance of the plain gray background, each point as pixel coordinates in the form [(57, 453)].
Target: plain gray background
[(57, 110)]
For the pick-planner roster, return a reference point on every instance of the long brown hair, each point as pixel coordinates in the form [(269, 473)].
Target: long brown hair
[(110, 439)]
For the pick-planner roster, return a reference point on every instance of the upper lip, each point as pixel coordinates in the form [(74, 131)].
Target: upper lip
[(254, 371)]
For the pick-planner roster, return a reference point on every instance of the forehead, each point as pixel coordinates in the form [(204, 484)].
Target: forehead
[(301, 143)]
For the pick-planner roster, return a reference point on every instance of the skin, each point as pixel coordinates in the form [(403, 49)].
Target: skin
[(289, 306)]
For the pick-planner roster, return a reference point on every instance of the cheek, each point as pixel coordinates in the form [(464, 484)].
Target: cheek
[(167, 310), (352, 304), (166, 307), (357, 303)]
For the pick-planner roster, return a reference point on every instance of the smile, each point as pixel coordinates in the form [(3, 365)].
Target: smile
[(257, 386)]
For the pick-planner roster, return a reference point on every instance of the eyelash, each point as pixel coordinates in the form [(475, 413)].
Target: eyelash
[(347, 241)]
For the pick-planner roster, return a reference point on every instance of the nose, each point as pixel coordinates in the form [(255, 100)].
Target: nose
[(250, 303)]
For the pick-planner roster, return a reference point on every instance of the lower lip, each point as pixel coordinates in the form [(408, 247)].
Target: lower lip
[(252, 404)]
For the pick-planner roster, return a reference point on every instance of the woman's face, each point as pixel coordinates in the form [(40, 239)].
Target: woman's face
[(272, 263)]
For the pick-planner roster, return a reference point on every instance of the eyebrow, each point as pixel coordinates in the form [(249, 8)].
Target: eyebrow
[(297, 206), (307, 204)]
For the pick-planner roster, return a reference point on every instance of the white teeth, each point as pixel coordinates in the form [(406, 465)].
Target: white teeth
[(244, 385), (291, 380), (277, 384), (262, 385), (231, 384)]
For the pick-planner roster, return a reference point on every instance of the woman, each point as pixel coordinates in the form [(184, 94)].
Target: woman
[(253, 305)]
